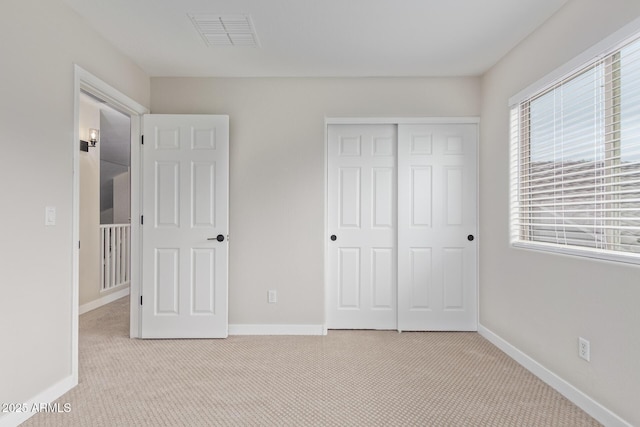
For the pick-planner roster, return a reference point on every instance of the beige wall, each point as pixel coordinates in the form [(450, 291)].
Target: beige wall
[(277, 172), (541, 302), (41, 40), (89, 287), (122, 198)]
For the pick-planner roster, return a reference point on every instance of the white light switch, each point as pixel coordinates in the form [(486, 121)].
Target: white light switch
[(50, 215), (272, 296)]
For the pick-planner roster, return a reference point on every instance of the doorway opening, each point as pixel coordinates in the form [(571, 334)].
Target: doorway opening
[(105, 203), (90, 84)]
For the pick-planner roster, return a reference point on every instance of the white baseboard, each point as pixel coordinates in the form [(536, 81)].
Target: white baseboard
[(13, 419), (104, 300), (243, 329), (580, 399)]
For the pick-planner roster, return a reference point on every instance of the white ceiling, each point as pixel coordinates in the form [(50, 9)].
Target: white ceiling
[(315, 38)]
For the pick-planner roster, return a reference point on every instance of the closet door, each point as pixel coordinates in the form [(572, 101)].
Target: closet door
[(437, 227), (362, 227)]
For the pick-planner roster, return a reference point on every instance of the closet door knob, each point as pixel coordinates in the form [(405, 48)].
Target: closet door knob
[(470, 237), (333, 237)]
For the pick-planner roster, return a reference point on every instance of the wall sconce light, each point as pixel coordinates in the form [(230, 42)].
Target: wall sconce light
[(94, 136)]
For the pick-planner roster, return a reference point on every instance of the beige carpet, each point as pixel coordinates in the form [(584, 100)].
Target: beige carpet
[(348, 378)]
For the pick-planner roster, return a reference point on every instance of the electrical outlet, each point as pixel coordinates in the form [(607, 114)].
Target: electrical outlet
[(272, 296), (584, 349)]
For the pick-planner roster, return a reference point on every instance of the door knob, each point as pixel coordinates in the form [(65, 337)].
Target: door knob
[(470, 237), (333, 237), (219, 238)]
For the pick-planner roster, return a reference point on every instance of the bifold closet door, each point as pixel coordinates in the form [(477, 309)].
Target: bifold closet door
[(437, 227), (362, 227)]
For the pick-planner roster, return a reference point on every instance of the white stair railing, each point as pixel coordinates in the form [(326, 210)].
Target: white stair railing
[(115, 242)]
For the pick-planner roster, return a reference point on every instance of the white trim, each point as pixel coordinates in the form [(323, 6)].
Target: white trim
[(478, 235), (47, 396), (325, 271), (399, 120), (107, 93), (136, 229), (243, 329), (630, 258), (580, 399), (104, 300), (75, 227), (595, 52)]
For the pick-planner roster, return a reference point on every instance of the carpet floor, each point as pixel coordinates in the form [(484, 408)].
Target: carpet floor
[(347, 378)]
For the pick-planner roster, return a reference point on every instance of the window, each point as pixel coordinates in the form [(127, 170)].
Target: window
[(575, 161)]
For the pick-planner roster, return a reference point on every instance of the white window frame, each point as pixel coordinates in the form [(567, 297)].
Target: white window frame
[(589, 57)]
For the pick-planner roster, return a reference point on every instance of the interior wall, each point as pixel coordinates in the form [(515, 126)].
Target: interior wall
[(89, 267), (115, 159), (122, 198), (542, 302), (41, 41), (277, 143)]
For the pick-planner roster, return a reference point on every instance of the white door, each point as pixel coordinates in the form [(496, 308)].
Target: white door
[(185, 169), (362, 222), (437, 227)]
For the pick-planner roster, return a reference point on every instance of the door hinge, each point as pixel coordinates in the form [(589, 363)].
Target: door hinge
[(141, 219), (142, 139), (78, 244), (140, 299)]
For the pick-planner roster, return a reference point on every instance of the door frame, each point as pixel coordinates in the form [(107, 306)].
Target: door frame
[(393, 121), (84, 80)]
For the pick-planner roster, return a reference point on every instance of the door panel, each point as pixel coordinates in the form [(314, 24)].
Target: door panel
[(185, 206), (383, 261), (166, 281), (383, 197), (421, 198), (454, 195), (420, 278), (437, 210), (350, 199), (167, 194), (203, 281), (453, 283), (362, 216), (203, 196), (349, 270)]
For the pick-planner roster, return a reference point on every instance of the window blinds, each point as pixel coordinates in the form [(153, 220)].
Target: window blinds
[(575, 159)]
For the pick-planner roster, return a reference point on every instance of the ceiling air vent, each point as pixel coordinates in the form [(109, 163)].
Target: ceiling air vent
[(225, 30)]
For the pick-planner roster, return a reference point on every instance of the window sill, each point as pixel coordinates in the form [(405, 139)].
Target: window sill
[(579, 252)]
